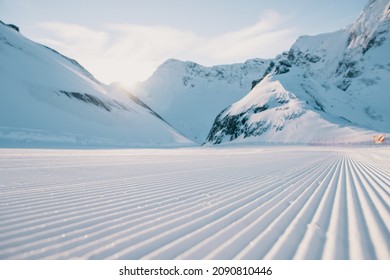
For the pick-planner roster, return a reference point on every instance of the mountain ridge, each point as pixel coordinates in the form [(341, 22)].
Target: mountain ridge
[(189, 95), (330, 83), (327, 88)]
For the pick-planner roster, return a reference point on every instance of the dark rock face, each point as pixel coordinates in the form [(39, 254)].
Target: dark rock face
[(107, 105), (233, 126), (87, 98), (13, 26)]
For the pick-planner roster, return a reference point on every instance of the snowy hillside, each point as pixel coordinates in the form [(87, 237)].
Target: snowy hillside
[(189, 95), (330, 88), (49, 100)]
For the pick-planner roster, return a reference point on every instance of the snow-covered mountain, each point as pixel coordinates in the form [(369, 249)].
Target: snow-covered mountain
[(189, 95), (331, 88), (49, 100)]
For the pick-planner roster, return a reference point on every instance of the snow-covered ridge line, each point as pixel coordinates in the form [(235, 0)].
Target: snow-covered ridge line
[(189, 95), (338, 83), (48, 99)]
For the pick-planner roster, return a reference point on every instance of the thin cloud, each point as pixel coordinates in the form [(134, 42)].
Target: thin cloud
[(76, 37), (128, 52), (264, 39), (150, 42)]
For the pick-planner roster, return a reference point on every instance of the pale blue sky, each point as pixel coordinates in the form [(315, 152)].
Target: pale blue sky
[(126, 40)]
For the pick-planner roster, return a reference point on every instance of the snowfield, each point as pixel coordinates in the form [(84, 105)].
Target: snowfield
[(288, 202)]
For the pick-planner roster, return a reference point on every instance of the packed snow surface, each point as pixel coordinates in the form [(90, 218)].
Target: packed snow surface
[(289, 202)]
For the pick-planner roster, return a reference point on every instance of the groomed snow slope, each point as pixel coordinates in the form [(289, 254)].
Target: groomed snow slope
[(247, 203)]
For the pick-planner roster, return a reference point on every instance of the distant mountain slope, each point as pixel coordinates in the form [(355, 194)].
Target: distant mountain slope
[(330, 88), (189, 95), (49, 100)]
